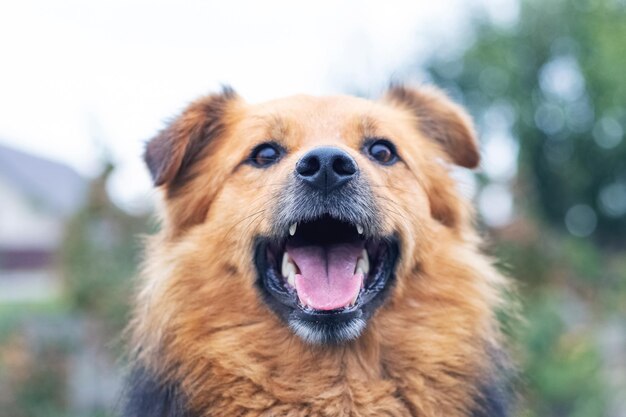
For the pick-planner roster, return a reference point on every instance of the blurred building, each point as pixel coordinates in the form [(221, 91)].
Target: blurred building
[(37, 197)]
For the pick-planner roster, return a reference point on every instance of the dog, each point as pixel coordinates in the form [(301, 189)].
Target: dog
[(316, 259)]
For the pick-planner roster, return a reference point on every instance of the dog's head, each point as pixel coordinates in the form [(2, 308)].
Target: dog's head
[(313, 208)]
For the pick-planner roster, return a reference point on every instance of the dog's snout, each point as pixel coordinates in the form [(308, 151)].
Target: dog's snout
[(326, 168)]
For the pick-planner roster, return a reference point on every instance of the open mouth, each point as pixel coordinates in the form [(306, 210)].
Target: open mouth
[(326, 277)]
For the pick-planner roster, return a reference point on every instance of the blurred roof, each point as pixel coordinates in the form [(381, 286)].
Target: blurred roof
[(55, 186)]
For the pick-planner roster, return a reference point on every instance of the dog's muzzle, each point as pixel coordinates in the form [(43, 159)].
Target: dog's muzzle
[(326, 266)]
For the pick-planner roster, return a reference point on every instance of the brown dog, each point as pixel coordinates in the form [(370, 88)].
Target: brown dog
[(316, 260)]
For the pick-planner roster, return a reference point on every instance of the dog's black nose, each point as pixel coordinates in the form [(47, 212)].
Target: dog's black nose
[(326, 168)]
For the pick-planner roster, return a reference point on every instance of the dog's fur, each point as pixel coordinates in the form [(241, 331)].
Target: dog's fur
[(205, 342)]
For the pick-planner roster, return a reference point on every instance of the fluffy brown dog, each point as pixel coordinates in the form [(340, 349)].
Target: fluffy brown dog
[(316, 260)]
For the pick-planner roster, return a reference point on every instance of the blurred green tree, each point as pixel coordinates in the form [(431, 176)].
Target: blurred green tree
[(549, 88), (50, 351), (100, 256), (555, 80)]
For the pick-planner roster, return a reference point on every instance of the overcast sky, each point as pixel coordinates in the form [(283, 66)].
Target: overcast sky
[(77, 77)]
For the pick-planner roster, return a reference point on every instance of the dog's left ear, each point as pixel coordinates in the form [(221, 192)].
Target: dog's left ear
[(171, 153), (440, 119)]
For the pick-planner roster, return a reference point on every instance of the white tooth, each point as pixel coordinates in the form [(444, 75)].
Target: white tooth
[(285, 265), (356, 296), (288, 266), (366, 261), (288, 270), (362, 264), (359, 229), (292, 229)]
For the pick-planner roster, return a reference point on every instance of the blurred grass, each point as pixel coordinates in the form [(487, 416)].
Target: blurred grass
[(12, 313)]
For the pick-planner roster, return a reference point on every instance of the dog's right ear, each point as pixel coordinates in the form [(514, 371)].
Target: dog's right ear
[(169, 154), (441, 120)]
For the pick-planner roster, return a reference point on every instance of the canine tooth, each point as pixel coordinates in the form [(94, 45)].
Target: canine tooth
[(291, 278), (287, 267), (363, 263), (366, 261), (353, 302), (292, 229), (359, 229)]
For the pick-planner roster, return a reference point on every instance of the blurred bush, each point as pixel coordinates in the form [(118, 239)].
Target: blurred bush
[(549, 88), (61, 357), (100, 256), (555, 81)]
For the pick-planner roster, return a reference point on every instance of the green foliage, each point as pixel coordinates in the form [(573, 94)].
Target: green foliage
[(554, 83), (100, 258), (561, 365), (43, 345), (32, 368), (558, 74)]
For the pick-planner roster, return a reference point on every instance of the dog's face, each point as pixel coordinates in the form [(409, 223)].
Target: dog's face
[(313, 208)]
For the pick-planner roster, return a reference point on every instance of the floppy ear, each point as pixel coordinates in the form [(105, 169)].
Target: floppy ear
[(169, 154), (441, 120)]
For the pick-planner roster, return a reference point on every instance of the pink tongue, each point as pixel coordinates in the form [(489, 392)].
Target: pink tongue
[(327, 280)]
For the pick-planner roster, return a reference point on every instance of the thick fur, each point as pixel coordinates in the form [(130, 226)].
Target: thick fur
[(205, 343)]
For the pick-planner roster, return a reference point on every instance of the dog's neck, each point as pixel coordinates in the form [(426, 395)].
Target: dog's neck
[(366, 377), (431, 350)]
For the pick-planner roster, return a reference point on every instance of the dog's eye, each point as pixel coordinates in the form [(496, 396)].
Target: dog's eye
[(265, 154), (383, 151)]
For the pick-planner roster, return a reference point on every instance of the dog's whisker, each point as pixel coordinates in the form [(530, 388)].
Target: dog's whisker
[(260, 212), (281, 184), (229, 327), (254, 219), (391, 187), (253, 202), (393, 203)]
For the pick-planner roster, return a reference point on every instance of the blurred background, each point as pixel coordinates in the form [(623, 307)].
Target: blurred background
[(83, 85)]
